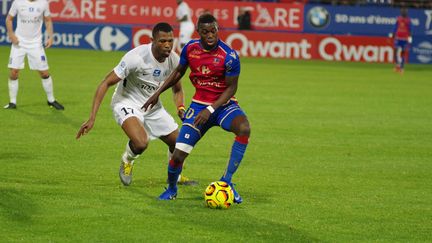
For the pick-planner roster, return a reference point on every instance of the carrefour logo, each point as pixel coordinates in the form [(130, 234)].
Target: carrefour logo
[(423, 52), (110, 39), (318, 17)]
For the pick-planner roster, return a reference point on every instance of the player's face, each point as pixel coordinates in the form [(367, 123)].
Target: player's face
[(164, 42), (209, 34)]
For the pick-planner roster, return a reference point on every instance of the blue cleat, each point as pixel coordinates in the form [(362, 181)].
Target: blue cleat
[(237, 198), (169, 194)]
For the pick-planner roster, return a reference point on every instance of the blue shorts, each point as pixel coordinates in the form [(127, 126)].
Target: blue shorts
[(223, 116), (401, 43)]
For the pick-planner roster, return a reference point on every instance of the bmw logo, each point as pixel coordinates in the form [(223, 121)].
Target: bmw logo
[(318, 17)]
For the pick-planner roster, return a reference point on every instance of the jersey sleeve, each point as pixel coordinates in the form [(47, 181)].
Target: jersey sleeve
[(13, 11), (126, 66), (183, 55), (47, 11), (232, 64), (174, 60)]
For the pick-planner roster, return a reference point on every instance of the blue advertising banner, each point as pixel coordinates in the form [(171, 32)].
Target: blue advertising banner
[(421, 51), (372, 21), (85, 36)]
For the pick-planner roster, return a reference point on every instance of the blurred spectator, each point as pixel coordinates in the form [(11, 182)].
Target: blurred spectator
[(244, 20)]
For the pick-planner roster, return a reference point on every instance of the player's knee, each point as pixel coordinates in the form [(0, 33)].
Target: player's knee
[(44, 75), (244, 129), (14, 73)]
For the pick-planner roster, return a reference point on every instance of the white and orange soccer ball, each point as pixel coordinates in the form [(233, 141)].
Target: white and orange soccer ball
[(219, 195)]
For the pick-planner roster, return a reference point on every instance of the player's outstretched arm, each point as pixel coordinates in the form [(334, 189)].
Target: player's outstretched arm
[(173, 79), (204, 115), (109, 81)]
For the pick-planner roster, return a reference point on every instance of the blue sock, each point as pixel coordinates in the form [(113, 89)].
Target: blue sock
[(174, 171), (237, 151)]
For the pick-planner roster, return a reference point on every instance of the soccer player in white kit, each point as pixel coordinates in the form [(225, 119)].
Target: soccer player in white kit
[(184, 17), (138, 75), (27, 41)]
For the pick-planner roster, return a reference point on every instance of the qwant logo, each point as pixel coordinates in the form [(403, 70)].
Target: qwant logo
[(106, 38)]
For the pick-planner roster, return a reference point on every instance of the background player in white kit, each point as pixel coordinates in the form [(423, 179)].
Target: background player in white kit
[(184, 17), (27, 41), (138, 75)]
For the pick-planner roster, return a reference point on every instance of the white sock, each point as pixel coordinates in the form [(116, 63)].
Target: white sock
[(13, 90), (128, 155), (48, 87)]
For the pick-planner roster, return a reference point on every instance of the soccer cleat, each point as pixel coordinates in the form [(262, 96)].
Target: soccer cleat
[(169, 194), (184, 180), (10, 106), (56, 105), (125, 173), (237, 198)]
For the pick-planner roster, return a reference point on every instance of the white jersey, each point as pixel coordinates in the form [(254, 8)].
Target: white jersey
[(142, 75), (182, 10), (29, 21)]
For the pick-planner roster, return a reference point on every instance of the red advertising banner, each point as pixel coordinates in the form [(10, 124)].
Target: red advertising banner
[(265, 16), (299, 46)]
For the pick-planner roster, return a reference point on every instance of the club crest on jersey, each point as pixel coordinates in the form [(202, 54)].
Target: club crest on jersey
[(156, 73), (216, 60), (204, 69)]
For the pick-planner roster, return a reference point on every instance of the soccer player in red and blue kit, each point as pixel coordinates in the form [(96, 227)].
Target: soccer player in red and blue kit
[(402, 37), (215, 70)]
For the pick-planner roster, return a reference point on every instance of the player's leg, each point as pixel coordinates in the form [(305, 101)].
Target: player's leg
[(170, 140), (38, 61), (235, 120), (131, 120), (16, 62), (403, 48), (138, 142), (188, 136)]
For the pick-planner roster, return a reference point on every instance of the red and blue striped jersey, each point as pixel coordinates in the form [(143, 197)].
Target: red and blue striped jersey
[(209, 69)]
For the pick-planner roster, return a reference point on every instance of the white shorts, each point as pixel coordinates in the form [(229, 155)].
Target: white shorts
[(186, 32), (36, 58), (157, 123)]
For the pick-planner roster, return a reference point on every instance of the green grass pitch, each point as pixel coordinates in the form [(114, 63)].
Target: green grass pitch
[(339, 152)]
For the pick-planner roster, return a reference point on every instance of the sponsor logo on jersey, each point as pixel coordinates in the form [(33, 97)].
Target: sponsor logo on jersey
[(156, 73)]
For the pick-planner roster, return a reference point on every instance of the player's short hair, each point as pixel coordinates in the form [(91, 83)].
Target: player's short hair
[(206, 19), (162, 26)]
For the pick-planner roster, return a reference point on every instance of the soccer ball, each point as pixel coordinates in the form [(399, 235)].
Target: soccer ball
[(218, 195)]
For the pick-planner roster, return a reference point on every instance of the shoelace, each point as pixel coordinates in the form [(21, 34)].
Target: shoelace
[(127, 168)]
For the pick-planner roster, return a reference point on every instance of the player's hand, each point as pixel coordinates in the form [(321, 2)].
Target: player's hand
[(49, 42), (151, 102), (202, 117), (85, 128), (181, 112), (14, 39)]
